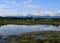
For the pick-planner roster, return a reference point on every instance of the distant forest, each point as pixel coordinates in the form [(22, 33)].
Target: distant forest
[(29, 20)]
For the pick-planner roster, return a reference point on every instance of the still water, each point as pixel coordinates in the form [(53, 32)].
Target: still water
[(11, 29), (19, 29)]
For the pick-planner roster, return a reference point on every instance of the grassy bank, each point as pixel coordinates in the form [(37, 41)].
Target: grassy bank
[(50, 37), (29, 21)]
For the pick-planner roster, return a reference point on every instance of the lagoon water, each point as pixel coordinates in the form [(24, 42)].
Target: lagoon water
[(19, 29)]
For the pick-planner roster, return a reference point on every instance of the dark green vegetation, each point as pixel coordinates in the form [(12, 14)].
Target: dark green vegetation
[(50, 37), (29, 21)]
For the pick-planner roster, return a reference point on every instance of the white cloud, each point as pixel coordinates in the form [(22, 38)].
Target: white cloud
[(27, 1), (12, 8)]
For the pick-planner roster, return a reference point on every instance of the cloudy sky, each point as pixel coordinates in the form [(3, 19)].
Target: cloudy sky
[(29, 7)]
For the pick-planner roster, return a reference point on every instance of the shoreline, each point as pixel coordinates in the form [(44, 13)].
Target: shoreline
[(30, 21)]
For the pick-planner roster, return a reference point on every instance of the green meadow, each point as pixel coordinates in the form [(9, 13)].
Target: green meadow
[(29, 21)]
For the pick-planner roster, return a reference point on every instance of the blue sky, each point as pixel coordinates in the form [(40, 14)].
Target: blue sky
[(29, 7)]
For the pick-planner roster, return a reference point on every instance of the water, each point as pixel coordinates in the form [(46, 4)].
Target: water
[(10, 29), (19, 29), (40, 36)]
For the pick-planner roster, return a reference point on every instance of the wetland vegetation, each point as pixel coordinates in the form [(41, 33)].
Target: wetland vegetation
[(29, 21), (31, 37), (47, 37)]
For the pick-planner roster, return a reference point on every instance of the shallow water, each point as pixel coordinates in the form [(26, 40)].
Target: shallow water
[(10, 29), (19, 29)]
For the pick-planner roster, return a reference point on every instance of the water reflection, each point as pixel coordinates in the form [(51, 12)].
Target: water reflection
[(40, 36), (18, 29)]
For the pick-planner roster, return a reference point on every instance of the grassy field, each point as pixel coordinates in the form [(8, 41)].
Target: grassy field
[(50, 37), (29, 21)]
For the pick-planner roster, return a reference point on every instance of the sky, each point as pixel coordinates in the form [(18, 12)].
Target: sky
[(29, 7)]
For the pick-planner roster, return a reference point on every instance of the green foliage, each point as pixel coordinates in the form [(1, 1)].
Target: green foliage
[(27, 21)]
